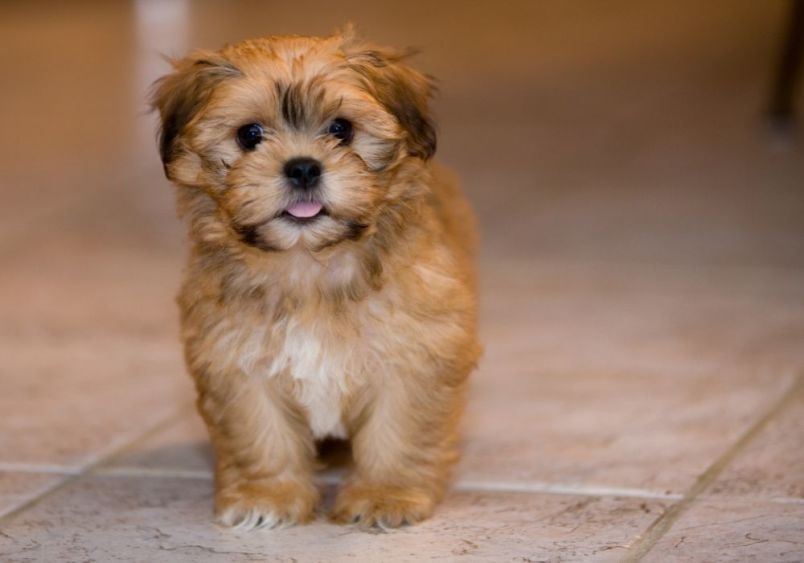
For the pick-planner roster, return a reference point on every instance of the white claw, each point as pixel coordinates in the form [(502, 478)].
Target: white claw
[(251, 519)]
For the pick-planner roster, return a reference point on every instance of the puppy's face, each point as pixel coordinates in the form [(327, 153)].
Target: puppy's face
[(295, 140)]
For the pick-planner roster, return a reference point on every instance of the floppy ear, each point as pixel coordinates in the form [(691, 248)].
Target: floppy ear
[(180, 95), (402, 90)]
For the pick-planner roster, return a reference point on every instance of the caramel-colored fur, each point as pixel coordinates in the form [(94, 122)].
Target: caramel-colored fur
[(360, 324)]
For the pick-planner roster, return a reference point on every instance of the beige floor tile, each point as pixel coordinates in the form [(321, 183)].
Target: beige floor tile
[(636, 377), (643, 318), (89, 350), (734, 531), (109, 263), (772, 465), (183, 447), (170, 520), (17, 488), (88, 338), (605, 429), (77, 288), (78, 402)]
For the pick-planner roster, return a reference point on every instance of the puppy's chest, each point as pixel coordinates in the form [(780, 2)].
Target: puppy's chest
[(324, 357)]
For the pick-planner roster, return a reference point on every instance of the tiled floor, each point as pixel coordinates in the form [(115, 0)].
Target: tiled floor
[(641, 395)]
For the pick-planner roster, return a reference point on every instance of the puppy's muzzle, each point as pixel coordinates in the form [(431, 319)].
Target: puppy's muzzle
[(303, 172)]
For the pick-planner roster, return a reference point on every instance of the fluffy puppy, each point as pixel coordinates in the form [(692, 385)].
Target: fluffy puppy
[(330, 287)]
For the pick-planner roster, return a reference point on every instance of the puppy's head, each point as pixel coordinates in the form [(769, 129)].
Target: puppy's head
[(294, 140)]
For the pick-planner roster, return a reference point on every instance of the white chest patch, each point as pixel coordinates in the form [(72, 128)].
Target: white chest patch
[(320, 364)]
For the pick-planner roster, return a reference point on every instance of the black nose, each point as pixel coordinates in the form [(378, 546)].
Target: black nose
[(303, 172)]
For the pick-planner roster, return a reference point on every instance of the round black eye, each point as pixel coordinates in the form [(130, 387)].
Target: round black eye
[(341, 129), (249, 136)]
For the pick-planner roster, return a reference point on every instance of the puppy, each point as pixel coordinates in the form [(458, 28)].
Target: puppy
[(330, 288)]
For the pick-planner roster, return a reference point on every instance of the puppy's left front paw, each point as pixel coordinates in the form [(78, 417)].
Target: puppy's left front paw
[(381, 506)]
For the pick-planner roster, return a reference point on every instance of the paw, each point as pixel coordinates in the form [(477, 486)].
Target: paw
[(381, 506), (265, 504)]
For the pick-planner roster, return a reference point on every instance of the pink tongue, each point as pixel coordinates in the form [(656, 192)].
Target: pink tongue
[(304, 209)]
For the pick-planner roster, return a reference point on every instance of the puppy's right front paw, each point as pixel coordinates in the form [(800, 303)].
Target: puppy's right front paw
[(265, 504)]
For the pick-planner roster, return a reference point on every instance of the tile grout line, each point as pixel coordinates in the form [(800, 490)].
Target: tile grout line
[(73, 474), (334, 478), (541, 487), (37, 468), (659, 527), (527, 487), (114, 452), (535, 487)]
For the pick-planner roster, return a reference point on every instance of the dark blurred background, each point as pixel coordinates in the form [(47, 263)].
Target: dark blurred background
[(591, 130)]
